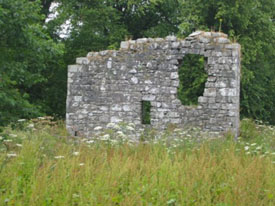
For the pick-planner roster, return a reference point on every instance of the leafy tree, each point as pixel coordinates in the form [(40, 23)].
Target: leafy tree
[(98, 25), (142, 18), (33, 58), (26, 53), (45, 7)]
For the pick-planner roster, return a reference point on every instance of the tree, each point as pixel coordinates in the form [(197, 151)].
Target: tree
[(34, 58), (26, 53)]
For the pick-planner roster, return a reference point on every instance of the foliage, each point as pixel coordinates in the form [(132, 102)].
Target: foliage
[(146, 109), (34, 57), (192, 78), (27, 54), (42, 165)]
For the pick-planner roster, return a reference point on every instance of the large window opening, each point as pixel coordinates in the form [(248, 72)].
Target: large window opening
[(192, 77), (145, 112)]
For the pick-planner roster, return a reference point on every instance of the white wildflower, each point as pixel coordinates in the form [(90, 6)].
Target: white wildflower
[(8, 140), (105, 137), (120, 133), (130, 128), (111, 125), (13, 135), (19, 145), (90, 141), (41, 118), (1, 137), (21, 120), (258, 148), (11, 155), (81, 164), (30, 126), (253, 144), (117, 127), (59, 157), (75, 196), (114, 141), (132, 125), (246, 148), (98, 128), (75, 153)]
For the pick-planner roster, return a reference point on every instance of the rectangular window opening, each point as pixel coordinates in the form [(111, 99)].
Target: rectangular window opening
[(192, 72), (145, 112)]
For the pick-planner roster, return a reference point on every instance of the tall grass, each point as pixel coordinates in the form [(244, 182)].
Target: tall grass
[(52, 169)]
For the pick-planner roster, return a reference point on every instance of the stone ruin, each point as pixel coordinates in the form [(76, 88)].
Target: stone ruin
[(113, 85)]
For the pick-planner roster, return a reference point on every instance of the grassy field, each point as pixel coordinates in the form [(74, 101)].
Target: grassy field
[(40, 164)]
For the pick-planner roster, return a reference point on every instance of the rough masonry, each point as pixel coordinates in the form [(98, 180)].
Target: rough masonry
[(109, 86)]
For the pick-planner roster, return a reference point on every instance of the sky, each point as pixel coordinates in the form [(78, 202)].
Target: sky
[(66, 27)]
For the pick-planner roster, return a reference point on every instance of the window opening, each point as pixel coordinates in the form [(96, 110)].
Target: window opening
[(192, 77), (145, 112)]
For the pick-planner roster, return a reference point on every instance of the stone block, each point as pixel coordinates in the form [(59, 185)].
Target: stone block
[(82, 60), (196, 33), (210, 92), (73, 68), (171, 38), (222, 40), (175, 45), (228, 92), (124, 45), (202, 99), (142, 41), (174, 75)]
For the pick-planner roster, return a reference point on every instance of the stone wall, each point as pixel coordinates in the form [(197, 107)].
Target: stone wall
[(109, 86)]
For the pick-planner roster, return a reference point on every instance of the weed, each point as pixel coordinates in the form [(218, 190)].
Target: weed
[(46, 166)]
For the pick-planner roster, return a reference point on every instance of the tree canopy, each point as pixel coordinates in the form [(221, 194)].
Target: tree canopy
[(34, 57)]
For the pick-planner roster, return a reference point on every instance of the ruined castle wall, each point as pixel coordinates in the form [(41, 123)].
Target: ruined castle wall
[(109, 86)]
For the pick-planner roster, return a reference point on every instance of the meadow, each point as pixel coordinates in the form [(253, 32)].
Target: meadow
[(41, 164)]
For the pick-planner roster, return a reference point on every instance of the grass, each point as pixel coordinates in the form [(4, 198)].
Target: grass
[(42, 165)]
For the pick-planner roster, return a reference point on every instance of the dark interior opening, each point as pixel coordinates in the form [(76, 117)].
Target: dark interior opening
[(192, 77), (145, 112)]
